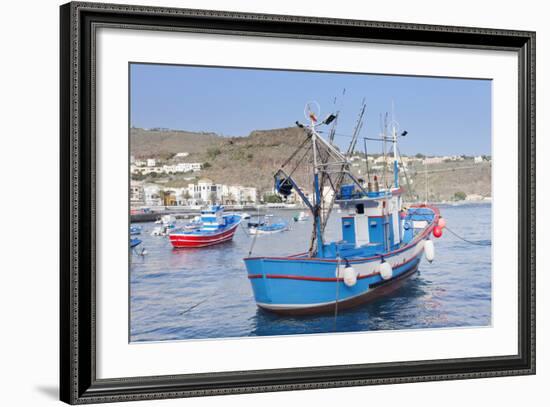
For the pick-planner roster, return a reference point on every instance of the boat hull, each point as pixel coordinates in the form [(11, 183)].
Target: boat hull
[(384, 289), (300, 285), (190, 240), (134, 243), (257, 231), (304, 286)]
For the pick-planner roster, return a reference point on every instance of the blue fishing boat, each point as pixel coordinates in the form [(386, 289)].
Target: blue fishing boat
[(135, 230), (134, 243), (382, 242), (267, 226)]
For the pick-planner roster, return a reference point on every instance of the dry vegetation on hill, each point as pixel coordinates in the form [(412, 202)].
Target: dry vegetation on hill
[(252, 161), (248, 161)]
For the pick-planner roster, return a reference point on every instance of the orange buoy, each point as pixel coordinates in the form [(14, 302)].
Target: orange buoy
[(438, 232)]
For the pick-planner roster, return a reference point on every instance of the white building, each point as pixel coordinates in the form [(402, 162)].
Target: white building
[(137, 194), (146, 170), (236, 194), (182, 167), (206, 191), (183, 154), (474, 197), (167, 169), (152, 195), (433, 160), (151, 162), (478, 159)]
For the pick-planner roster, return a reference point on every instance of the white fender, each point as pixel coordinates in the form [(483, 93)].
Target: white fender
[(386, 271), (429, 250), (350, 276)]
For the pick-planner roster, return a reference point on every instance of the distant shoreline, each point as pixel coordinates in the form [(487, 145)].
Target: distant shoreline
[(465, 202)]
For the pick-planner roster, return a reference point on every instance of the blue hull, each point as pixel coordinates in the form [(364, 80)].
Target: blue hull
[(298, 296), (134, 243), (303, 285)]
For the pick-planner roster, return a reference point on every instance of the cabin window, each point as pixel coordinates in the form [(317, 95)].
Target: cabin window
[(360, 209)]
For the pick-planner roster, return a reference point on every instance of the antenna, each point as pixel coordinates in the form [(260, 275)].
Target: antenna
[(332, 132), (358, 127), (312, 112), (384, 135), (366, 158)]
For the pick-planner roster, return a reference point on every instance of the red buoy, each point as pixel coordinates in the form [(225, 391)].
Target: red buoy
[(438, 231)]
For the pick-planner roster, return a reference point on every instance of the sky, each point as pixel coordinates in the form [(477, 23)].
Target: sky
[(442, 116)]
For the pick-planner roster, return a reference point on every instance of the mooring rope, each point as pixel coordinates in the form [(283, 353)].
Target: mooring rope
[(460, 237), (466, 240), (252, 244), (337, 293), (193, 306)]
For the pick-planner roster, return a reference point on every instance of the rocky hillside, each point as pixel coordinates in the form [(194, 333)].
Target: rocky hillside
[(447, 179), (249, 161), (165, 144), (252, 160)]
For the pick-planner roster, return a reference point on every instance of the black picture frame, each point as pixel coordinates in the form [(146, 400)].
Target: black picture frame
[(78, 382)]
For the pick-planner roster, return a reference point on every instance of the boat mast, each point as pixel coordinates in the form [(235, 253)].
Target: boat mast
[(330, 167), (395, 152), (316, 188)]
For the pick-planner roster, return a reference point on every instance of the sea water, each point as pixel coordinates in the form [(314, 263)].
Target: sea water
[(204, 293)]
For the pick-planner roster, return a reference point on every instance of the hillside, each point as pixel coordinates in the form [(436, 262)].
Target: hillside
[(446, 179), (164, 144), (249, 161), (252, 160)]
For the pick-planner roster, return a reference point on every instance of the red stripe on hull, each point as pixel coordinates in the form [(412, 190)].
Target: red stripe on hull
[(182, 240), (324, 279), (370, 295)]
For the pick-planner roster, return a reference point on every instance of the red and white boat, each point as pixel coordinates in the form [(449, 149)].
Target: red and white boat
[(216, 228)]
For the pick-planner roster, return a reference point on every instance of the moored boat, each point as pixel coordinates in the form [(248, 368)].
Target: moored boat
[(135, 230), (267, 226), (301, 217), (216, 227), (134, 243), (382, 242)]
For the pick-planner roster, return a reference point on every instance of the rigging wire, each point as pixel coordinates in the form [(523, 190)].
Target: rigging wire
[(297, 150), (409, 189)]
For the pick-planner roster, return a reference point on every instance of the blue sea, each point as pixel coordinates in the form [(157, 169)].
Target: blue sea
[(205, 293)]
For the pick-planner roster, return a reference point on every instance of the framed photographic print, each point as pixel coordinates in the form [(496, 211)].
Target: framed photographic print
[(255, 203)]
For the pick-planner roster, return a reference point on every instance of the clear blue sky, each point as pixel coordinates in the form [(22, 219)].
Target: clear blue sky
[(442, 116)]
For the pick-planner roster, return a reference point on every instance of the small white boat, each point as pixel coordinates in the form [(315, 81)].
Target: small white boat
[(245, 215), (266, 226), (301, 217), (163, 230)]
